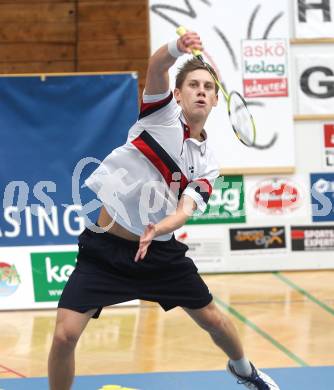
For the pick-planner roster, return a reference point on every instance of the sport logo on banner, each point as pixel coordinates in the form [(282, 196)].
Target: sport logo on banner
[(329, 146), (312, 238), (265, 71), (276, 196), (50, 273), (258, 238), (322, 189), (9, 279)]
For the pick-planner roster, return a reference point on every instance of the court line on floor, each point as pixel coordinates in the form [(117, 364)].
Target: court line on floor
[(261, 332), (12, 371), (311, 297)]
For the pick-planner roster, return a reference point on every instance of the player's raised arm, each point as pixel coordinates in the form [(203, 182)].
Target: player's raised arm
[(157, 79)]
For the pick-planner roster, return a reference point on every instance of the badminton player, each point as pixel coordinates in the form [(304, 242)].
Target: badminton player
[(149, 187)]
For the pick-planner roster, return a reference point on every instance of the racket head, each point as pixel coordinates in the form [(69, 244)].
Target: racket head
[(241, 119)]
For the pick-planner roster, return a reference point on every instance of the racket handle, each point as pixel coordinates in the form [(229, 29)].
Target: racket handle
[(181, 31)]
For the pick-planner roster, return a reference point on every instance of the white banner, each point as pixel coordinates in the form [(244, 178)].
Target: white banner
[(314, 18), (27, 283), (315, 76), (222, 26), (280, 199), (206, 245)]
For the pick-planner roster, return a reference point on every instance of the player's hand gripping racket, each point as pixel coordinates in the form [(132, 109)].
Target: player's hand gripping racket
[(241, 119)]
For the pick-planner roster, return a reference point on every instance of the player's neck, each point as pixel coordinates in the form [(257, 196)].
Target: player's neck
[(196, 127), (196, 133)]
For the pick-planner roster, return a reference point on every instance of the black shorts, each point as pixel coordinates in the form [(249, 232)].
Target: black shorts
[(106, 274)]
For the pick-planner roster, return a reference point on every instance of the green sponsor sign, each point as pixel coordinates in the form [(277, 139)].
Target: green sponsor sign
[(50, 273), (226, 203)]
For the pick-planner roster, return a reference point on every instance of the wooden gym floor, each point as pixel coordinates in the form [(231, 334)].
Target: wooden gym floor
[(284, 319)]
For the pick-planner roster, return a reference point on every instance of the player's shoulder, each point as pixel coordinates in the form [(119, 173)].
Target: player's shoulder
[(153, 103), (161, 107)]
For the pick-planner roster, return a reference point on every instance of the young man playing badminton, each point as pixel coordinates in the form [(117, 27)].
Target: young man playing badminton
[(149, 187)]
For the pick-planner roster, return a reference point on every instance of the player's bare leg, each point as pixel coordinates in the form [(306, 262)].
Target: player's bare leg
[(225, 336), (61, 366), (220, 328)]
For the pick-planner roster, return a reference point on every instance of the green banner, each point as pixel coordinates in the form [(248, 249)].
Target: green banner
[(226, 203), (50, 273)]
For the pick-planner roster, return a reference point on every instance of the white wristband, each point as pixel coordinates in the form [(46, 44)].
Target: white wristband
[(173, 49)]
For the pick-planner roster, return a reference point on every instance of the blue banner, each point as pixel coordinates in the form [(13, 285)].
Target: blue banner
[(54, 131), (322, 194)]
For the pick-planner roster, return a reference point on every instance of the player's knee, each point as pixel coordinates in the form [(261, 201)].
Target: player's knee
[(65, 339), (213, 323)]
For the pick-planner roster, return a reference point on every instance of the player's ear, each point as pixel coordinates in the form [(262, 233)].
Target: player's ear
[(216, 100), (177, 95)]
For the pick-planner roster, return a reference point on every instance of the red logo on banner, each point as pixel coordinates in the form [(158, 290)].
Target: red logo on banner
[(276, 196), (265, 87), (297, 234), (182, 236), (329, 136)]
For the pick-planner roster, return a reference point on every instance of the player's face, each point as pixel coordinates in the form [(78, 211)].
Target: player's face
[(197, 95)]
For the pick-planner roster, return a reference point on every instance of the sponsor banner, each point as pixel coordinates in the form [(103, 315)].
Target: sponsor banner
[(226, 203), (322, 189), (206, 245), (265, 70), (279, 197), (328, 154), (259, 238), (41, 189), (15, 279), (24, 287), (10, 279), (222, 38), (207, 253), (315, 92), (312, 238), (314, 19), (51, 271)]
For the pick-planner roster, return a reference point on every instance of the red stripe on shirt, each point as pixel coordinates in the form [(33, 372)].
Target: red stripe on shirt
[(158, 163)]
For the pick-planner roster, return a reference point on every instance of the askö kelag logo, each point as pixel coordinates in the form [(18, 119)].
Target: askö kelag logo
[(50, 273), (9, 279), (265, 68)]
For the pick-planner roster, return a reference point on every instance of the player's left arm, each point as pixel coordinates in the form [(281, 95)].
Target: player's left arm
[(184, 210), (194, 197)]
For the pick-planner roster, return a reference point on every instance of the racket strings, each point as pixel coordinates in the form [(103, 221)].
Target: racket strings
[(241, 119)]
